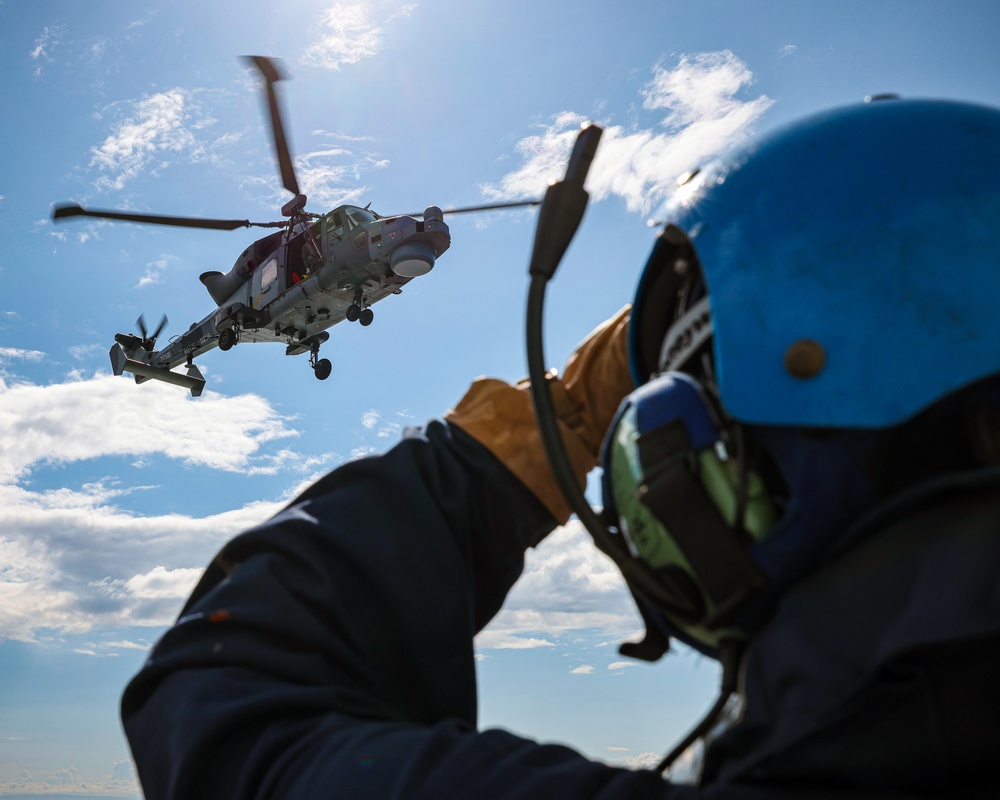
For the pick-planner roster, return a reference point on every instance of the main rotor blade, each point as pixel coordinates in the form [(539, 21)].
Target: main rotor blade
[(72, 210), (490, 207), (269, 70)]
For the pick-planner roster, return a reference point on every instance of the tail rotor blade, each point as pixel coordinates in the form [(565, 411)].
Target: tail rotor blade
[(159, 328)]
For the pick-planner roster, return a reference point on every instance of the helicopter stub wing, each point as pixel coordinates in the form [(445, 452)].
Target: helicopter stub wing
[(120, 363)]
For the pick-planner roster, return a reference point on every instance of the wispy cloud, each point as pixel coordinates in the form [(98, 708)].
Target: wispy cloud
[(350, 33), (154, 129), (154, 271), (47, 42), (700, 115), (330, 175), (583, 669), (85, 352), (16, 353), (374, 421)]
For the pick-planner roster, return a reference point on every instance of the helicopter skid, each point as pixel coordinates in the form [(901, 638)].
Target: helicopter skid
[(120, 363)]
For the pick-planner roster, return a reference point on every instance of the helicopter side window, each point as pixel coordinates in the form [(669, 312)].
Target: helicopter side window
[(268, 273)]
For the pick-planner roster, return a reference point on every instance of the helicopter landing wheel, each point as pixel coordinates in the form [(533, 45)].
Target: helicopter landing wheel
[(323, 368), (353, 312), (227, 338), (367, 317)]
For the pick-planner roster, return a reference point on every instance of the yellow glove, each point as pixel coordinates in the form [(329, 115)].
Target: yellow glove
[(501, 416)]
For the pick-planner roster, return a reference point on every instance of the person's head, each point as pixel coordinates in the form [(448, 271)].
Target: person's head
[(817, 332)]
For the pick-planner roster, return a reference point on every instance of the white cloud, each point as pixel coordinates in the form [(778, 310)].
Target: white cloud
[(641, 165), (154, 129), (120, 782), (160, 582), (506, 640), (568, 587), (788, 49), (49, 40), (621, 664), (73, 560), (363, 451), (643, 761), (584, 669), (373, 419), (154, 271), (125, 644), (84, 352), (15, 353), (54, 424), (350, 34)]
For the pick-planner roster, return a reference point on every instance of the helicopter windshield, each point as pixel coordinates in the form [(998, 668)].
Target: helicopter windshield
[(358, 216)]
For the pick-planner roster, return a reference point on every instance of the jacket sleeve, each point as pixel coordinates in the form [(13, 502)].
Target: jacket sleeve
[(328, 652)]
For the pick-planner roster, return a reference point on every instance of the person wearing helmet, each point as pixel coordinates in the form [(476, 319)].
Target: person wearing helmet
[(803, 485)]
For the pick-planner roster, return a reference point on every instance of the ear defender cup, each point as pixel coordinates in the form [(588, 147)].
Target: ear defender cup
[(676, 497)]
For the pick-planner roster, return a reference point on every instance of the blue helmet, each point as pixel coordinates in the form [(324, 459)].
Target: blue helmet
[(851, 267), (824, 289)]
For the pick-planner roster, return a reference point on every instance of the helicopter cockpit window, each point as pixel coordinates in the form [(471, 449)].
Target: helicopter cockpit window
[(268, 273), (358, 216)]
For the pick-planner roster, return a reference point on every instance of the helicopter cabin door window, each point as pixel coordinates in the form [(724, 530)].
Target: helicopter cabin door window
[(269, 274), (266, 283)]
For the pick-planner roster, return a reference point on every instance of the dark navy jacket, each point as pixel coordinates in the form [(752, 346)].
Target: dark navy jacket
[(328, 653)]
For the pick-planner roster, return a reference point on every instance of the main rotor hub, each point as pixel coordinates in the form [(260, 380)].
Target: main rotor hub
[(294, 206)]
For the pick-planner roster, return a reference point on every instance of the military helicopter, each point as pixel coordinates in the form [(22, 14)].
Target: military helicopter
[(291, 286)]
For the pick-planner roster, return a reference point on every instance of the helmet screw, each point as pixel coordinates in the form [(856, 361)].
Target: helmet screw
[(805, 359)]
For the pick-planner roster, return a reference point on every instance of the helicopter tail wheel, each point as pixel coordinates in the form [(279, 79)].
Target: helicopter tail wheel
[(353, 312), (366, 317), (323, 368), (227, 338)]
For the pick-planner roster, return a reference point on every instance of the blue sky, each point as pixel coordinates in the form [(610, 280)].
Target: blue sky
[(113, 496)]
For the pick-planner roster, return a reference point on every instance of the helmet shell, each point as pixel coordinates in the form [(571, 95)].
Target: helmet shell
[(868, 236)]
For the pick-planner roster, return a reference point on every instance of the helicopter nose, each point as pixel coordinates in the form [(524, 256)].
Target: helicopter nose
[(412, 259)]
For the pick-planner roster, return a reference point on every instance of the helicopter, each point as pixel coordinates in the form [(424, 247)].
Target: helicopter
[(291, 286)]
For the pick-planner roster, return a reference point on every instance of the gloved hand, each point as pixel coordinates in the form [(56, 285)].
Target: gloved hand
[(501, 416)]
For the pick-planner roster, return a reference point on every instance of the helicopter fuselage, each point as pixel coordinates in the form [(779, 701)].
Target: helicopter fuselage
[(292, 285)]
